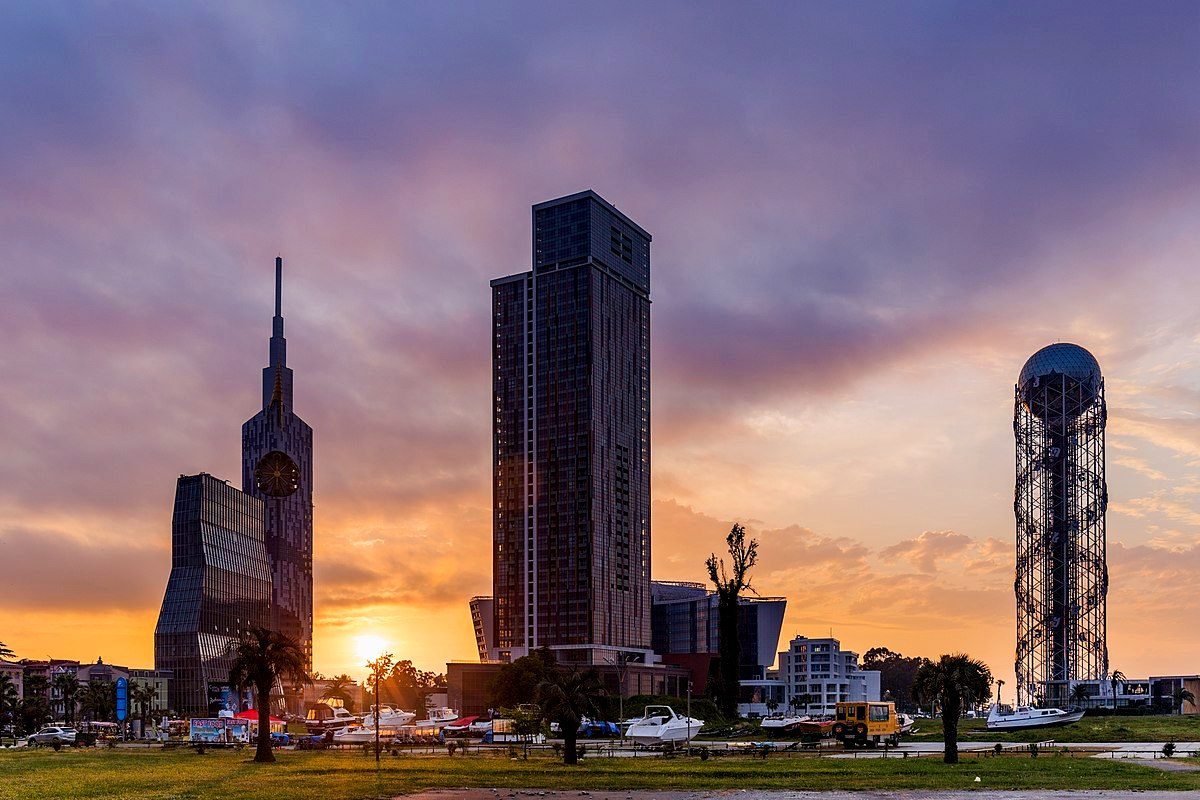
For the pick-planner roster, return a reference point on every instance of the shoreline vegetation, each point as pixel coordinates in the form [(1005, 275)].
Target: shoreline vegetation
[(154, 773)]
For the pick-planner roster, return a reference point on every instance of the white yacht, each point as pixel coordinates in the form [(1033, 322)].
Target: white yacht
[(660, 724), (438, 718), (1028, 717), (389, 716), (780, 723), (365, 734)]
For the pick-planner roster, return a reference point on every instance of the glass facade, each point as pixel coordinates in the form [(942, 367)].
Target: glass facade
[(220, 585), (571, 434), (273, 436)]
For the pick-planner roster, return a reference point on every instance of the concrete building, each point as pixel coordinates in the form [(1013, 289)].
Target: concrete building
[(481, 621), (571, 438), (819, 674)]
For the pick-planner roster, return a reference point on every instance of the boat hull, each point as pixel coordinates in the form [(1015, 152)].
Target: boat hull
[(1027, 723)]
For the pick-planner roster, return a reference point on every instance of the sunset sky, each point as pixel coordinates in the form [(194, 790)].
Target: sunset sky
[(866, 216)]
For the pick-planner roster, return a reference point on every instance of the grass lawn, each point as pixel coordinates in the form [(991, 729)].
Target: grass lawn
[(155, 773), (1163, 728)]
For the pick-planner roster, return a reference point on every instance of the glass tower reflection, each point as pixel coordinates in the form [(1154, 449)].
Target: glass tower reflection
[(571, 436), (220, 586)]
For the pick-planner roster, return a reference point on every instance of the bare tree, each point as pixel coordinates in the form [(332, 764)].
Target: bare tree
[(730, 585)]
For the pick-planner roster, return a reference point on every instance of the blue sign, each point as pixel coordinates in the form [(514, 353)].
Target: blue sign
[(122, 699)]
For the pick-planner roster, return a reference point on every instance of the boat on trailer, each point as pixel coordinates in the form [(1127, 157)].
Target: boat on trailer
[(1025, 717)]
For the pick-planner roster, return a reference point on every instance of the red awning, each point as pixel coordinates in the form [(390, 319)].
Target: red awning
[(252, 714)]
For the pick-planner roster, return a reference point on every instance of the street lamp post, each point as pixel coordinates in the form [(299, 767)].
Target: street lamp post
[(689, 716)]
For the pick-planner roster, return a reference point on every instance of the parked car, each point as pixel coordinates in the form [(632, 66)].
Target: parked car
[(53, 735)]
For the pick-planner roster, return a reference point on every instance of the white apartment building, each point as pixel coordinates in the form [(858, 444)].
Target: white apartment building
[(818, 674)]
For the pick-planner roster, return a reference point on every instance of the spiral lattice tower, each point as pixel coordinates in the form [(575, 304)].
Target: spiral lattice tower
[(1060, 503)]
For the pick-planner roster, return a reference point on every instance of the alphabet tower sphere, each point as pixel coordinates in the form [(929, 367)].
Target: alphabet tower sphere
[(1060, 503)]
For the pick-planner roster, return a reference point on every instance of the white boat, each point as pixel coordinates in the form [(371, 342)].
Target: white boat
[(778, 724), (1029, 717), (364, 734), (438, 718), (906, 722), (660, 724), (389, 716)]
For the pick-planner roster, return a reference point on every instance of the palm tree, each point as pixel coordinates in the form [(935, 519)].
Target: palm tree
[(1079, 693), (8, 699), (565, 697), (999, 686), (1183, 696), (99, 700), (68, 686), (260, 657), (142, 695), (339, 689), (954, 681), (1115, 677)]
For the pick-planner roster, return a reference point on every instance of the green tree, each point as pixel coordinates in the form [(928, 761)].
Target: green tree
[(99, 702), (34, 710), (260, 658), (142, 697), (6, 652), (516, 684), (565, 696), (772, 704), (380, 667), (1115, 677), (730, 585), (954, 681), (9, 699), (1182, 696), (526, 721), (896, 673), (338, 688), (68, 686), (408, 686), (1079, 694)]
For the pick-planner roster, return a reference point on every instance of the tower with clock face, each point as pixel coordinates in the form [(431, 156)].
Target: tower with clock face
[(277, 468)]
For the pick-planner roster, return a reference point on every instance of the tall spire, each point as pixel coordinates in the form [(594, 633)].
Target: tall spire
[(277, 378)]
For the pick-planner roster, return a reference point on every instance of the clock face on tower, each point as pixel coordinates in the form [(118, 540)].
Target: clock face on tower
[(276, 475)]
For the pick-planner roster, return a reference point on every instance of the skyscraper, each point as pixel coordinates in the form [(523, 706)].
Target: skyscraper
[(220, 586), (1060, 502), (277, 468), (571, 437)]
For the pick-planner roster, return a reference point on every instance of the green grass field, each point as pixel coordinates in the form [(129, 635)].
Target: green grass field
[(217, 775), (1089, 729)]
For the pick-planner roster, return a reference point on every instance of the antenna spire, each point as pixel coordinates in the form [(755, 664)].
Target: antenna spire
[(279, 286)]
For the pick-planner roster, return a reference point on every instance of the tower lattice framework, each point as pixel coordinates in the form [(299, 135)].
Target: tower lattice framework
[(1060, 502)]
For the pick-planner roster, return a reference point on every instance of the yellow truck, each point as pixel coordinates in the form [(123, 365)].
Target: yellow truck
[(866, 724)]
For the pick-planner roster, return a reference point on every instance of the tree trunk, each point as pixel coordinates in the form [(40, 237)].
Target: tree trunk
[(730, 651), (950, 715), (263, 754), (570, 757)]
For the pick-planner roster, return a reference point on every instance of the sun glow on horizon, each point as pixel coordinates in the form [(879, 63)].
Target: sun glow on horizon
[(369, 647)]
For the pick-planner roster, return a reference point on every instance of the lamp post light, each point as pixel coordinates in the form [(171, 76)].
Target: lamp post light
[(689, 716)]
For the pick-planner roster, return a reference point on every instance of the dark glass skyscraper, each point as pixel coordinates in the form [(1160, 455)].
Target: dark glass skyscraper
[(220, 586), (571, 436), (277, 468)]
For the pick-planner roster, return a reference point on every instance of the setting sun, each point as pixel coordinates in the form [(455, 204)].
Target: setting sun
[(368, 647)]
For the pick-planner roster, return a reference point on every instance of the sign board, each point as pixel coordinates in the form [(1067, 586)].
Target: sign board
[(122, 698)]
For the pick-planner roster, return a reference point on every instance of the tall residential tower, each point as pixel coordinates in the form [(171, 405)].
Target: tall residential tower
[(1060, 503), (571, 438), (277, 468)]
